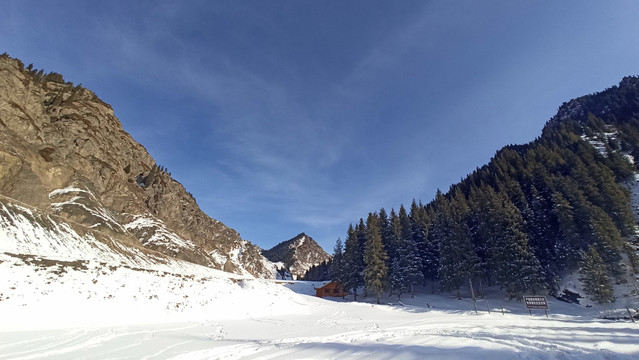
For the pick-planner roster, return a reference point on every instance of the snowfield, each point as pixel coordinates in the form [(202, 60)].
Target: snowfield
[(57, 309), (66, 294)]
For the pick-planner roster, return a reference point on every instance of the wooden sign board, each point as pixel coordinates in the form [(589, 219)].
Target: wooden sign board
[(536, 302)]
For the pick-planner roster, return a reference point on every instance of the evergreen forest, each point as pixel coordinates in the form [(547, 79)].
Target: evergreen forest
[(536, 212)]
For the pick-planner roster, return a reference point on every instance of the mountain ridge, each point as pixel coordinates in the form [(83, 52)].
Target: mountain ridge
[(63, 150), (297, 255), (526, 220)]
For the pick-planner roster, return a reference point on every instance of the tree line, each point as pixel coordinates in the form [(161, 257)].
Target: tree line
[(533, 214)]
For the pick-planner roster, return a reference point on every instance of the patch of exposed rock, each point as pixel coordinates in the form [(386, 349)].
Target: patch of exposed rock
[(297, 255), (63, 151)]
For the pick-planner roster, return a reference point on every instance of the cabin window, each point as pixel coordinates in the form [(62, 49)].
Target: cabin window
[(335, 291), (327, 291)]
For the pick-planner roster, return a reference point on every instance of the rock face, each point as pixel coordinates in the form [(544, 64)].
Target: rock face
[(62, 151), (297, 255)]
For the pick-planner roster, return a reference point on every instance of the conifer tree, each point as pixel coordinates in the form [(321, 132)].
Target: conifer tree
[(542, 229), (388, 236), (595, 277), (376, 271), (608, 240), (513, 263), (430, 255), (336, 269), (391, 240), (412, 250), (399, 263), (353, 263), (420, 223), (457, 255), (360, 230), (361, 234), (569, 239), (501, 244), (388, 240), (480, 205)]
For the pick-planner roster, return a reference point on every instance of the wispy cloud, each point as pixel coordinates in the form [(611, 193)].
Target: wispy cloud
[(308, 116)]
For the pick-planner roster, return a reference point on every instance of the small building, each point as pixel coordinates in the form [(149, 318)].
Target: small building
[(330, 289)]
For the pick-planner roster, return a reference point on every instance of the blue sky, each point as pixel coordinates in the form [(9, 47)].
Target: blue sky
[(284, 117)]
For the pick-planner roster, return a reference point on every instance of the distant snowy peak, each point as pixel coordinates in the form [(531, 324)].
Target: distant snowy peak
[(297, 255)]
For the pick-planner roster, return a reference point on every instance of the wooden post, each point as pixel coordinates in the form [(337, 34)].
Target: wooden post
[(488, 306), (472, 292), (631, 318), (502, 309)]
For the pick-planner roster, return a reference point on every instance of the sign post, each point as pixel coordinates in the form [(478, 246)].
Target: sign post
[(536, 303)]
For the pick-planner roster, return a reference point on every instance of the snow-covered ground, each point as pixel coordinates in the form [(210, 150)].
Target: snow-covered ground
[(66, 294), (52, 309)]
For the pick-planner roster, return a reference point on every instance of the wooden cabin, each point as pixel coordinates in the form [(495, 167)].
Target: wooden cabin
[(330, 289)]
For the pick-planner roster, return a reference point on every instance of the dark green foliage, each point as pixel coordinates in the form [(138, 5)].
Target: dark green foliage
[(511, 263), (375, 258), (388, 231), (527, 217), (595, 277), (353, 262), (406, 266), (430, 250), (633, 258), (458, 261), (336, 269), (320, 272)]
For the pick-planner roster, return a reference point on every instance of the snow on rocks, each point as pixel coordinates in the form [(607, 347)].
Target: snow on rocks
[(40, 293), (153, 232), (82, 202)]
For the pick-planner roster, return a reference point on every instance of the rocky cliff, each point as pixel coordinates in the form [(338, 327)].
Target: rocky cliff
[(297, 255), (64, 153)]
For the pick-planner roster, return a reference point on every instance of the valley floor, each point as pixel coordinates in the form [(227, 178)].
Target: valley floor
[(62, 310), (330, 330)]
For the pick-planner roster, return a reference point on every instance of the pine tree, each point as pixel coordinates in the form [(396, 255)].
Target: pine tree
[(542, 229), (512, 263), (457, 255), (376, 271), (569, 240), (353, 263), (607, 238), (388, 240), (360, 231), (480, 206), (336, 270), (595, 277), (430, 256), (420, 224), (399, 263), (412, 249), (391, 244)]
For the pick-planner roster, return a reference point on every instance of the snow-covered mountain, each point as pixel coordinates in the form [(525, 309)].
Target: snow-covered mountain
[(297, 255), (59, 274), (68, 168)]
